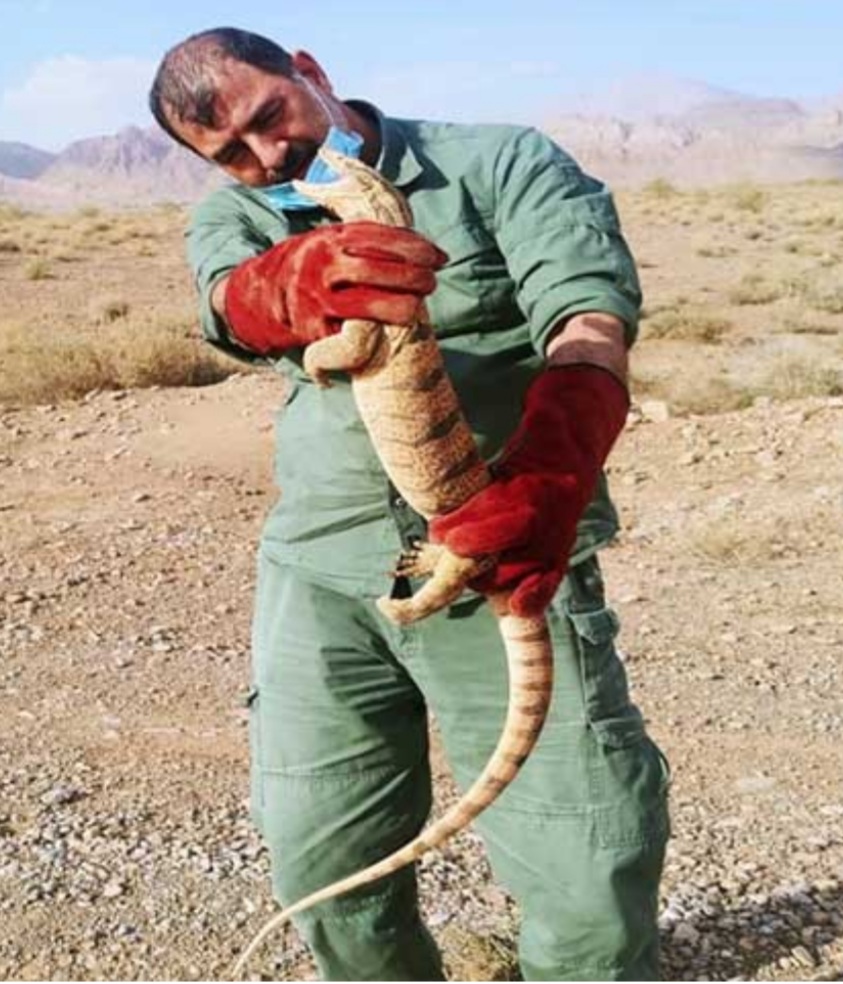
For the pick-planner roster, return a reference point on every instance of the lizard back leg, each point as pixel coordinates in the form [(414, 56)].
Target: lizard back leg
[(448, 580)]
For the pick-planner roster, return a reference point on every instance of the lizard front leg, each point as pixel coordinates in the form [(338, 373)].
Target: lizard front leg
[(350, 350)]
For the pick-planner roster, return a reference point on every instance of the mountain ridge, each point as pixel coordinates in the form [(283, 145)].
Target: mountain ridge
[(632, 131)]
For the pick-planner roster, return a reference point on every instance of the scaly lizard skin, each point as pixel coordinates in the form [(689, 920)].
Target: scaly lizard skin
[(409, 406)]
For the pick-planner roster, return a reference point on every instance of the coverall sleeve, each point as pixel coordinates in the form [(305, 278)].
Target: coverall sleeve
[(560, 234), (219, 237)]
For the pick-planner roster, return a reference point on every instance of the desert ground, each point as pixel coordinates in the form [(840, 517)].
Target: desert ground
[(135, 469)]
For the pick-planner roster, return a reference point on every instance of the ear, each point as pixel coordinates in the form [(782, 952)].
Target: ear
[(305, 64)]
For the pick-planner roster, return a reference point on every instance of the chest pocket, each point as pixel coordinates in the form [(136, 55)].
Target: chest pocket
[(474, 290)]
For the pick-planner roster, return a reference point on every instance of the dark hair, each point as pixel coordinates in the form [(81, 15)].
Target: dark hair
[(184, 86)]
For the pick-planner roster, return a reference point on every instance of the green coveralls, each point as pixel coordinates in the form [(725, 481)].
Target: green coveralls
[(340, 699)]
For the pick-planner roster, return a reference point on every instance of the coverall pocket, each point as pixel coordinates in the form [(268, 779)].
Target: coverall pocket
[(613, 719), (627, 772)]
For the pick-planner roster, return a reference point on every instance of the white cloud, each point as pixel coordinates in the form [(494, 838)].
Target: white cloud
[(68, 97)]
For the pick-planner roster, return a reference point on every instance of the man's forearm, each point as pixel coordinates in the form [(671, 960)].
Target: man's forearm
[(592, 337), (218, 297)]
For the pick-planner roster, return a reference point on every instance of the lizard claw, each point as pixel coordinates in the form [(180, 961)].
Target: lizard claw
[(418, 559)]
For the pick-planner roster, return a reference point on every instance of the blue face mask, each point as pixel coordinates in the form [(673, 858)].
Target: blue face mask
[(285, 196)]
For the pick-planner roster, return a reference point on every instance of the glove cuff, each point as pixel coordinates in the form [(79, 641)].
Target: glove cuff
[(572, 416), (254, 307)]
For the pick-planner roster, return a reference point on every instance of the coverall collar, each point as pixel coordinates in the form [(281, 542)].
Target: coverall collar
[(397, 162)]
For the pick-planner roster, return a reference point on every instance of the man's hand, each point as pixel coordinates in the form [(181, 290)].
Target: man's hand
[(303, 288), (543, 481)]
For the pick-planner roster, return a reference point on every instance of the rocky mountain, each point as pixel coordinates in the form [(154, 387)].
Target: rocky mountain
[(133, 166), (639, 129), (19, 160), (693, 134)]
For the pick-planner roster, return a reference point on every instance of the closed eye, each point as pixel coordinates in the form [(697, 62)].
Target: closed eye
[(230, 154), (267, 116)]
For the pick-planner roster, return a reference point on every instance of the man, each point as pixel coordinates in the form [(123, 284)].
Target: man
[(535, 302)]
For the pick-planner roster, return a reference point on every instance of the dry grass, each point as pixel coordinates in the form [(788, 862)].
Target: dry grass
[(795, 377), (830, 301), (743, 302), (38, 269), (755, 289), (700, 394), (46, 365), (105, 310), (742, 288), (686, 323), (86, 311), (758, 538), (736, 542), (660, 189), (748, 197)]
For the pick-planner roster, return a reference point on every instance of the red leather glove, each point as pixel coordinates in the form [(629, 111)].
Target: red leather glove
[(541, 485), (303, 288)]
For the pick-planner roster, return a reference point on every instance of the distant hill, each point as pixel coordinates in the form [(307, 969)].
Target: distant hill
[(693, 134), (133, 167), (19, 160), (645, 95), (631, 132)]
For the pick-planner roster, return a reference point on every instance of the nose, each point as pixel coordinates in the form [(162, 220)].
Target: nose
[(269, 153)]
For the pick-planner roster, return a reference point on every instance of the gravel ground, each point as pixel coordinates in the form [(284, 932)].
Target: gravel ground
[(129, 522)]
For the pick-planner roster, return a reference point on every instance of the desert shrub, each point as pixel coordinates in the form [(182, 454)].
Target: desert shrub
[(794, 377), (660, 188), (805, 325), (748, 198), (38, 269), (754, 289), (830, 301), (821, 221), (686, 323), (164, 354), (690, 394), (717, 251), (11, 213), (99, 226), (795, 246), (735, 542), (105, 310), (41, 365), (46, 363)]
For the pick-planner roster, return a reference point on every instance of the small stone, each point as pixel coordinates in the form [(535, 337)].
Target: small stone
[(685, 933), (803, 957), (62, 794), (754, 784), (656, 411)]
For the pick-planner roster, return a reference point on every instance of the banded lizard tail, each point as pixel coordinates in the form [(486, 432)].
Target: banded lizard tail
[(409, 406)]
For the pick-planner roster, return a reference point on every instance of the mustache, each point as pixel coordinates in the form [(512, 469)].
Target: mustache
[(297, 160)]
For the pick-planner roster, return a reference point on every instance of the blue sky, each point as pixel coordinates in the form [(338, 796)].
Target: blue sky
[(74, 68)]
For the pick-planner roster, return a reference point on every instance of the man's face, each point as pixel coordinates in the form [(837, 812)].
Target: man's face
[(267, 128)]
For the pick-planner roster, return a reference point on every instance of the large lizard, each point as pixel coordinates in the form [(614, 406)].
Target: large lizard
[(411, 411)]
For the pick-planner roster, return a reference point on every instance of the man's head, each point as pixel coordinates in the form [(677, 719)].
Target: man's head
[(245, 103)]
